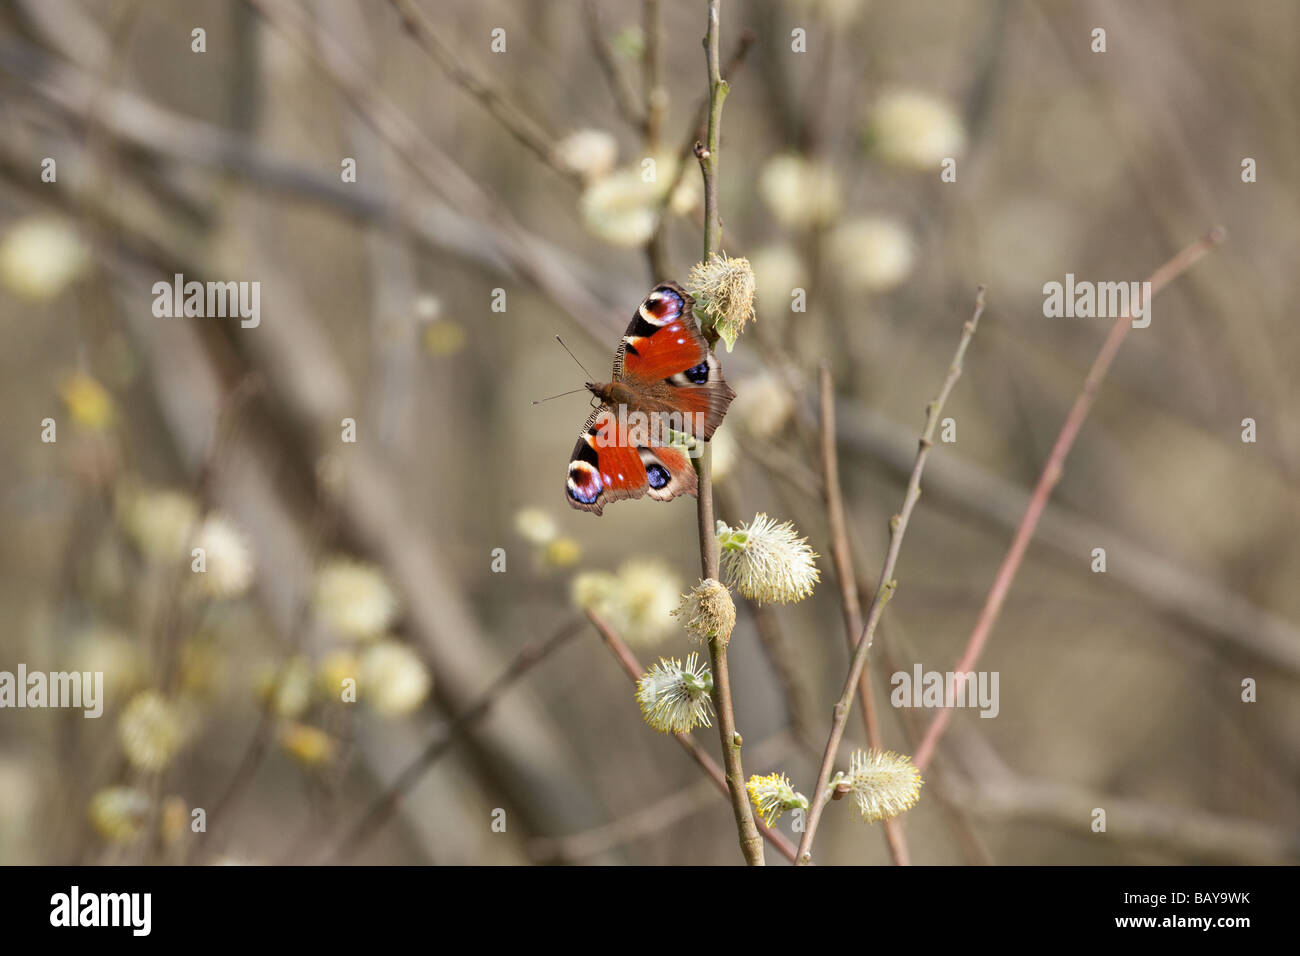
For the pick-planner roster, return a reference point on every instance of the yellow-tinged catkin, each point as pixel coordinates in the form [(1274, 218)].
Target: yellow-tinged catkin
[(773, 795)]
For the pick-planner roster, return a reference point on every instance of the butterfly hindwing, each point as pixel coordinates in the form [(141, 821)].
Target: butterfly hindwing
[(607, 466)]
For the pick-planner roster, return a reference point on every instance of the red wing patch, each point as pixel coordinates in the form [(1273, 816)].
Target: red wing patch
[(662, 339), (605, 467)]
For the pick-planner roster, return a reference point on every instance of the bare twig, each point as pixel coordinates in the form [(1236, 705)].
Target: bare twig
[(885, 589), (1047, 480), (206, 847), (619, 84), (850, 605), (707, 153), (655, 251), (991, 790), (639, 824), (1197, 836), (1212, 609), (381, 809), (649, 820), (781, 655), (514, 120), (656, 94), (656, 108), (938, 783), (632, 667)]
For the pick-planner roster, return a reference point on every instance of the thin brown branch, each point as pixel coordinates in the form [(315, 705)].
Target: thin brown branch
[(1196, 836), (656, 109), (885, 589), (619, 84), (781, 656), (656, 94), (383, 806), (657, 817), (938, 782), (695, 132), (707, 153), (850, 605), (1047, 480), (206, 847), (514, 120), (632, 667), (1211, 610)]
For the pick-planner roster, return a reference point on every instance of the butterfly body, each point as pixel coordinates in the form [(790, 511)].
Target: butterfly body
[(667, 387), (612, 393)]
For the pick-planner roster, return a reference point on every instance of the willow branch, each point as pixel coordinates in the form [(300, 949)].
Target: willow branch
[(695, 132), (632, 667), (885, 589), (1048, 479), (707, 153), (850, 605)]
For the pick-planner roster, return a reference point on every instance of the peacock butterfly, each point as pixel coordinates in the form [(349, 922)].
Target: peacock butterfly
[(666, 381)]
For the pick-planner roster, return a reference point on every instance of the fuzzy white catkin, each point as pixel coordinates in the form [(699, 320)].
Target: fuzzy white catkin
[(767, 561), (672, 704)]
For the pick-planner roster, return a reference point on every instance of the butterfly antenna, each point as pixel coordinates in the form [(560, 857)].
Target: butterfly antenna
[(590, 377), (561, 395)]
